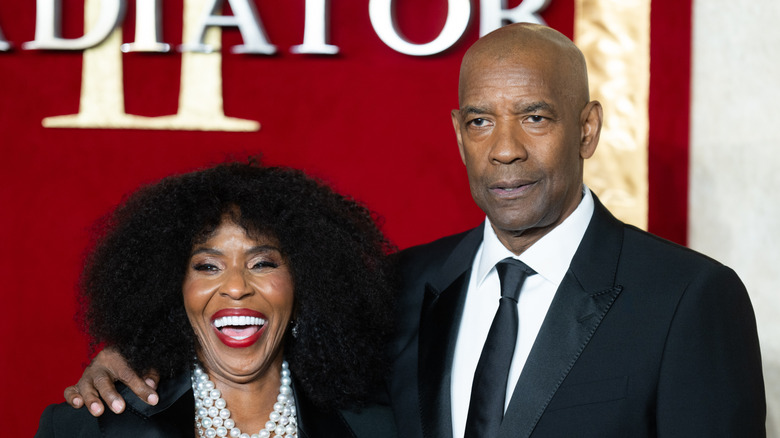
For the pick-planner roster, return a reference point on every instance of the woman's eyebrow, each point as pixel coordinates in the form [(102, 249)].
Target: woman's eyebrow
[(206, 250), (262, 249), (253, 250)]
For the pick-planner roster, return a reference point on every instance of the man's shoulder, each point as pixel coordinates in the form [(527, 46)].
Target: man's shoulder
[(613, 251), (431, 255), (649, 259), (639, 245), (442, 245), (642, 244)]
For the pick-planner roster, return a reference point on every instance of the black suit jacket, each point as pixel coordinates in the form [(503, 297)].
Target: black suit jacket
[(643, 338), (174, 417)]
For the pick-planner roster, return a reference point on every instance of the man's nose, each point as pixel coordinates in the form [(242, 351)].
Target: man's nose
[(508, 144)]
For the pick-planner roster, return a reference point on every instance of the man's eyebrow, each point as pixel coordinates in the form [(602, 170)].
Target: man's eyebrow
[(471, 109), (521, 108), (534, 107)]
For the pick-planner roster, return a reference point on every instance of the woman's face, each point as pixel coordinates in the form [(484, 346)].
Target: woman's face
[(238, 294)]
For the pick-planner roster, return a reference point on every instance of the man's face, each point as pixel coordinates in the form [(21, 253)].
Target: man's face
[(520, 131)]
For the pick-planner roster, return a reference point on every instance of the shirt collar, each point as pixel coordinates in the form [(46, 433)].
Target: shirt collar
[(551, 255)]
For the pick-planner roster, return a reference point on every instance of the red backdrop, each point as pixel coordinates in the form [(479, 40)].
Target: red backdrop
[(373, 122)]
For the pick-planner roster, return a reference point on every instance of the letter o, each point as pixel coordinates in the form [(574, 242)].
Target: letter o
[(381, 14)]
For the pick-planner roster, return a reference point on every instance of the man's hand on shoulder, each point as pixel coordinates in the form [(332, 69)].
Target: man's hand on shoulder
[(98, 382)]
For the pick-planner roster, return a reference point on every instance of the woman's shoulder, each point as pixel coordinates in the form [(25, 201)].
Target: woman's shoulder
[(373, 421), (61, 420), (171, 417)]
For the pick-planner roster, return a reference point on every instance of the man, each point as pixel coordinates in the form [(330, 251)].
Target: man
[(616, 333)]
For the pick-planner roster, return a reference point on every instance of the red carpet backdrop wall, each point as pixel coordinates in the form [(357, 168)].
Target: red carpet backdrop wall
[(83, 123)]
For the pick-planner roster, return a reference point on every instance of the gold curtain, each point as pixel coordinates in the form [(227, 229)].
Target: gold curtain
[(614, 35)]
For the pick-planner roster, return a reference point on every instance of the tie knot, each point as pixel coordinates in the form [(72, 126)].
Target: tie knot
[(512, 274)]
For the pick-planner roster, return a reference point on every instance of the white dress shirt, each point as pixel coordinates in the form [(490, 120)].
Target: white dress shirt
[(550, 257)]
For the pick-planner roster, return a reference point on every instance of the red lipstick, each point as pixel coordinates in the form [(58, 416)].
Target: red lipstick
[(238, 328)]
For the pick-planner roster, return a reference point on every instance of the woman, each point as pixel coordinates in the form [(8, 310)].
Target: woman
[(218, 280)]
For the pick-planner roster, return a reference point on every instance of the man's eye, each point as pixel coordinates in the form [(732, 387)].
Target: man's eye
[(478, 122), (535, 119)]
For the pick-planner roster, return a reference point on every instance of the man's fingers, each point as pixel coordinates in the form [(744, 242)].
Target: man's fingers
[(98, 382), (73, 397), (105, 386), (143, 388), (89, 397), (152, 379), (108, 367), (151, 383)]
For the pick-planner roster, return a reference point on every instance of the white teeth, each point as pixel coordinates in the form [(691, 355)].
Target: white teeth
[(238, 321)]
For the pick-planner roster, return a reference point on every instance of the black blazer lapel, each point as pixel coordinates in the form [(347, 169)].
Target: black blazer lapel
[(313, 422), (439, 323), (173, 416), (583, 298)]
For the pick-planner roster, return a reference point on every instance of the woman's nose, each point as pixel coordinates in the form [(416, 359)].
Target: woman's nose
[(235, 285)]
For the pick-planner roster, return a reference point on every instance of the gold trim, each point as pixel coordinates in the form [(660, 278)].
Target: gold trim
[(614, 36), (102, 89)]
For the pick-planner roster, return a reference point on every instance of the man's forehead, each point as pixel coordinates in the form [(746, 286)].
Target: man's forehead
[(517, 68), (525, 59), (521, 85), (541, 77)]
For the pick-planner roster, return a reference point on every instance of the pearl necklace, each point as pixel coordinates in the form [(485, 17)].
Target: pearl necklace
[(212, 417)]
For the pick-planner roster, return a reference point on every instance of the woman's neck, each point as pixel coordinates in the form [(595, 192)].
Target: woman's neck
[(250, 402)]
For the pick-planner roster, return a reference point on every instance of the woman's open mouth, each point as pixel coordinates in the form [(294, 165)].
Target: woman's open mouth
[(238, 328)]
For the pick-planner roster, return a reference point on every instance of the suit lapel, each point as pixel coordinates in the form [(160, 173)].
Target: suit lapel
[(313, 422), (581, 302), (171, 417), (439, 323)]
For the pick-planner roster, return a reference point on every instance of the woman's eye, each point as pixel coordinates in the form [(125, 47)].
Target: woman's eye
[(205, 267), (264, 264)]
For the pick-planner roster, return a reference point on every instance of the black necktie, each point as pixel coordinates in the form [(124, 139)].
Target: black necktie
[(488, 392)]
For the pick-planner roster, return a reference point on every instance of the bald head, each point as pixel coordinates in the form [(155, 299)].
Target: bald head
[(531, 46)]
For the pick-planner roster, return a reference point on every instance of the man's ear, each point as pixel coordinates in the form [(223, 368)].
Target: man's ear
[(590, 124), (456, 124)]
